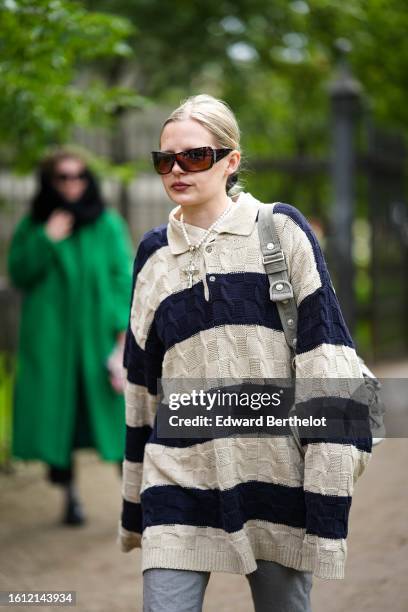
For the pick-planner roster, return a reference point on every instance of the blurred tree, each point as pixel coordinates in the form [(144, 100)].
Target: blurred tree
[(270, 60), (44, 45)]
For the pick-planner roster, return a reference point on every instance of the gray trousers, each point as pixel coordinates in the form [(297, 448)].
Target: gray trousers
[(274, 588)]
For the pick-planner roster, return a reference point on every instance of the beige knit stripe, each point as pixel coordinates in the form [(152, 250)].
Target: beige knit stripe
[(230, 253), (325, 557), (305, 278), (206, 538), (132, 475), (210, 560), (224, 463), (328, 360), (332, 469), (187, 555), (248, 351), (159, 271), (211, 549), (141, 406), (229, 351), (329, 370), (127, 539)]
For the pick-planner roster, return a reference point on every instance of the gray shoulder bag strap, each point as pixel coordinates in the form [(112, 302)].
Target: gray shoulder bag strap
[(281, 291)]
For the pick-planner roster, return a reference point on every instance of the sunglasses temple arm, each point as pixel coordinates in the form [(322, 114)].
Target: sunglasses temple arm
[(220, 154)]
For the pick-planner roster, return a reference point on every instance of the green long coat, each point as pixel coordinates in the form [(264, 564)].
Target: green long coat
[(76, 296)]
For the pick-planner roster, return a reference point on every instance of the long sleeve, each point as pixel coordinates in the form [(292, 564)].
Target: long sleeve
[(30, 254), (142, 364), (325, 350)]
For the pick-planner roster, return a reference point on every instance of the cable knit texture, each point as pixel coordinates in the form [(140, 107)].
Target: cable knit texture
[(221, 504)]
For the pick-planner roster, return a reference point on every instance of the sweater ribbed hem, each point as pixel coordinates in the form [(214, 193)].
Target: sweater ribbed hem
[(197, 560), (171, 547), (215, 561)]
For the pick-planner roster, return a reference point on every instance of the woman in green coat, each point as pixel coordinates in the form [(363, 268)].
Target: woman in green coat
[(71, 258)]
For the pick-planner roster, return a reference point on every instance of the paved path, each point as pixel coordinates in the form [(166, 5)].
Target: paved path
[(37, 553)]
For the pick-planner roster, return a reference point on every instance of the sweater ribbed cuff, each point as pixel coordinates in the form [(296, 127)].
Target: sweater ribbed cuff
[(128, 540)]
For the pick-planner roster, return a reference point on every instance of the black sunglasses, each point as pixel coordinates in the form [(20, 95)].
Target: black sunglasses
[(64, 177), (193, 160)]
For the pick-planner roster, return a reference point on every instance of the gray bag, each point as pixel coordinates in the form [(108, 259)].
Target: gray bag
[(281, 292)]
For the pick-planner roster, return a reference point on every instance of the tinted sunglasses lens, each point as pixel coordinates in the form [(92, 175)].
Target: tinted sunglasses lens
[(71, 177), (162, 162), (196, 160)]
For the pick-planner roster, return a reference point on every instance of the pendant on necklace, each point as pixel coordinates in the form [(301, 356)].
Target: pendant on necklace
[(190, 271)]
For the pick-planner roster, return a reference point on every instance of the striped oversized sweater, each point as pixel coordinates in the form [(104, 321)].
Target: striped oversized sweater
[(221, 504)]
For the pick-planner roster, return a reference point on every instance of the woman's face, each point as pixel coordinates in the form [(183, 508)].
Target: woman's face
[(69, 178), (203, 186)]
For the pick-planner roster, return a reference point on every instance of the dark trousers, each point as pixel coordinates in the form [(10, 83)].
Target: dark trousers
[(65, 476)]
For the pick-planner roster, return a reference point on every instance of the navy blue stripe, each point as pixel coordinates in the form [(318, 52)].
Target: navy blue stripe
[(347, 421), (174, 442), (322, 515), (144, 367), (332, 406), (136, 438), (236, 299), (320, 321), (134, 360), (363, 444), (327, 515), (152, 240), (352, 414), (227, 510), (131, 518), (347, 418), (154, 353)]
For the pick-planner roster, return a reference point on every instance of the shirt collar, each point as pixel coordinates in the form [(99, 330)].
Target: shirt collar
[(240, 220)]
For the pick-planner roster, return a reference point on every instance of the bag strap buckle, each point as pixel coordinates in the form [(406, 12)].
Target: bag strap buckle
[(268, 258)]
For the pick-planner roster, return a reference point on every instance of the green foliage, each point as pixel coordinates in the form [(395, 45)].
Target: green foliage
[(7, 373), (271, 60), (123, 173), (43, 45)]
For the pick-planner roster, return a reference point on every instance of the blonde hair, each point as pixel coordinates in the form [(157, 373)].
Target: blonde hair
[(217, 117)]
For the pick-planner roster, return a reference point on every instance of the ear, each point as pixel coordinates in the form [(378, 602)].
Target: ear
[(233, 162)]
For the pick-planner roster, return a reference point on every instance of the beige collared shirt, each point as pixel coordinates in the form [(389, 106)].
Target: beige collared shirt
[(240, 221)]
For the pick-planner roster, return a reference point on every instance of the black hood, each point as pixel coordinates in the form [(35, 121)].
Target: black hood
[(85, 210)]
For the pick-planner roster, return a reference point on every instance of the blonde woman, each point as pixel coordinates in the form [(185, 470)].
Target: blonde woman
[(201, 309)]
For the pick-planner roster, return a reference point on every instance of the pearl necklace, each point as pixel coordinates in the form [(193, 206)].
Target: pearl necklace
[(194, 248)]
